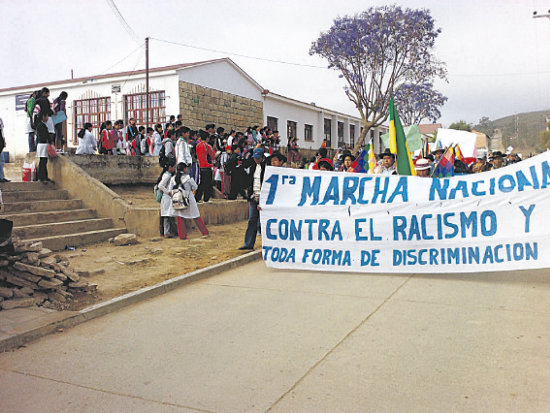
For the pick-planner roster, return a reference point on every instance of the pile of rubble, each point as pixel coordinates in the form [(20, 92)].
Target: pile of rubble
[(34, 275)]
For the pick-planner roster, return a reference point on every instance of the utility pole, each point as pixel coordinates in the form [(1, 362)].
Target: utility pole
[(147, 82)]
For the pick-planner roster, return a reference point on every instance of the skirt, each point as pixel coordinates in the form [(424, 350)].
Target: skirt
[(42, 150)]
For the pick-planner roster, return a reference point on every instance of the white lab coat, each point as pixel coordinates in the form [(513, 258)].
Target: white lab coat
[(193, 210), (87, 145)]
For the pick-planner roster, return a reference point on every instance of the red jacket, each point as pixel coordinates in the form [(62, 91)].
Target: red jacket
[(202, 150)]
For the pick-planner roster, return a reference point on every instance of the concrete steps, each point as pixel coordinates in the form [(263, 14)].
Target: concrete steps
[(40, 212), (42, 206), (33, 218), (31, 196), (59, 242), (61, 228)]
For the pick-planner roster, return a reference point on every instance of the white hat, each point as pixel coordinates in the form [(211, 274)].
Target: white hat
[(422, 164)]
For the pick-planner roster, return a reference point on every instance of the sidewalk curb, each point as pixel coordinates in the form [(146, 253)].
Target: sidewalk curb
[(97, 310)]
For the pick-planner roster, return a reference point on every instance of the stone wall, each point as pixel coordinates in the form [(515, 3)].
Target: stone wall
[(119, 169), (200, 105)]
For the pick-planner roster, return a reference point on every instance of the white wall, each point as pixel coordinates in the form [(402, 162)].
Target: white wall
[(286, 109), (221, 76), (14, 121)]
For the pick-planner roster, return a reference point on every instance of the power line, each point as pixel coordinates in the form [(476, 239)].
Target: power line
[(123, 59), (121, 18), (238, 54)]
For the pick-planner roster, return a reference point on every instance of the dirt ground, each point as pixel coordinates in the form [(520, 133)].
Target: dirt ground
[(119, 270)]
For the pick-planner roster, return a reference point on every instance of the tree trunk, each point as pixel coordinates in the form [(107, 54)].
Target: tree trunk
[(357, 147)]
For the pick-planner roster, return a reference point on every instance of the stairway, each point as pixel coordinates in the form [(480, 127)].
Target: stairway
[(40, 212)]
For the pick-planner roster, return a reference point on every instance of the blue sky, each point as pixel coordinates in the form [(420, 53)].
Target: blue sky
[(497, 55)]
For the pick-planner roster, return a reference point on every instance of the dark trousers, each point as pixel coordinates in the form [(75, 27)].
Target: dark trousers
[(253, 221), (59, 141), (205, 185), (43, 169)]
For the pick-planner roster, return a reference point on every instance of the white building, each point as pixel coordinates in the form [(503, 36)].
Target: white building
[(216, 91)]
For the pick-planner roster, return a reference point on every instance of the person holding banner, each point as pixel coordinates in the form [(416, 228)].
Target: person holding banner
[(256, 163)]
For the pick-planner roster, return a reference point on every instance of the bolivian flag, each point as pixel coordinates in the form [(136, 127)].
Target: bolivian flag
[(398, 144)]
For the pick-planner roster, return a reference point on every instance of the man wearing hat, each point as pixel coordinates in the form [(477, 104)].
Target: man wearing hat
[(438, 152), (497, 160), (256, 163), (387, 167), (423, 168)]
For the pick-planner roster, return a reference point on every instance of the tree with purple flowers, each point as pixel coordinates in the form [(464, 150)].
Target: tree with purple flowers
[(375, 52), (417, 102)]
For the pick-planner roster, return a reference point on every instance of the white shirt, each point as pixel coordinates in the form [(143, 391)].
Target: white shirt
[(257, 180)]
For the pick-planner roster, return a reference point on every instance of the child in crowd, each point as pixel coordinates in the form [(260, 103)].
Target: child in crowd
[(188, 185), (165, 184)]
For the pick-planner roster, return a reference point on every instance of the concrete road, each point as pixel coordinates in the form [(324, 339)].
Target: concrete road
[(256, 340)]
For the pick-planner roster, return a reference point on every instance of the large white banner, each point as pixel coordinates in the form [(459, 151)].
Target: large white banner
[(329, 221)]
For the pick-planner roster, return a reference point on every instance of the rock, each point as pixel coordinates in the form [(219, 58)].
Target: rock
[(125, 239), (6, 292), (18, 303), (111, 240), (78, 284), (13, 258), (27, 247), (40, 296), (64, 293), (44, 252), (32, 257), (4, 263), (156, 251), (57, 297), (156, 239), (103, 260), (17, 293), (27, 290), (25, 275), (49, 261), (43, 272), (20, 282), (60, 276), (83, 273), (73, 276), (51, 283)]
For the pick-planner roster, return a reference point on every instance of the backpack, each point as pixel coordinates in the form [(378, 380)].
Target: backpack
[(100, 148), (158, 193), (162, 156), (180, 197), (143, 146)]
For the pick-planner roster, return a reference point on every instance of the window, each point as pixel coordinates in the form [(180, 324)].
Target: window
[(351, 136), (340, 134), (328, 132), (96, 111), (272, 123), (290, 129), (135, 106), (308, 133)]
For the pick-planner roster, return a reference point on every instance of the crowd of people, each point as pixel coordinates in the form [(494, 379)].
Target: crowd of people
[(194, 162)]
